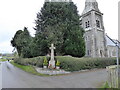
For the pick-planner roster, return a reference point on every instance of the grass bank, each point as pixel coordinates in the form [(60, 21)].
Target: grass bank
[(3, 60), (29, 69), (105, 85)]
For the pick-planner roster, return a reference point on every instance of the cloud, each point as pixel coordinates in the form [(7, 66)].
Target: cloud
[(5, 47)]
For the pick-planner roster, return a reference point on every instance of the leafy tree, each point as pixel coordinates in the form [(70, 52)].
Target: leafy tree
[(58, 23)]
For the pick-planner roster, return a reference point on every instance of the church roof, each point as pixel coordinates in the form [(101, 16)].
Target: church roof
[(90, 5), (110, 42)]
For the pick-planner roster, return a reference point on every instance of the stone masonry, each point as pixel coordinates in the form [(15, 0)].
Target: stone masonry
[(92, 23)]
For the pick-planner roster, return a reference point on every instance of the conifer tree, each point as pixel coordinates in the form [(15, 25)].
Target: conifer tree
[(21, 41), (58, 23)]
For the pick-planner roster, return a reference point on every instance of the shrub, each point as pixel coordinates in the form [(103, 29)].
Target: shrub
[(45, 63), (57, 63)]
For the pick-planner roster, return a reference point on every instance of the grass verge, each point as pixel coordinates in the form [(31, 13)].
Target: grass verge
[(105, 85), (29, 69), (3, 60)]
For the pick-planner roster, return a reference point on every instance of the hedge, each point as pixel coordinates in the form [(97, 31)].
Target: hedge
[(76, 64), (37, 61), (69, 63)]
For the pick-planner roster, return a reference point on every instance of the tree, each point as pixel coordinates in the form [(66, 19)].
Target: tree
[(16, 41), (21, 42), (58, 23), (39, 46)]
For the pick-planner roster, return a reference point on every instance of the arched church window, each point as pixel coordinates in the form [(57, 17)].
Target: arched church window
[(87, 24), (98, 23), (113, 53), (86, 38), (88, 52), (101, 53)]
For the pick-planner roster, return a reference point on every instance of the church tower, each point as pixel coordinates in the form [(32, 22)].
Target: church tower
[(92, 23)]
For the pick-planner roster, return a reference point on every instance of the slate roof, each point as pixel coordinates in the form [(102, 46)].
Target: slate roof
[(110, 41)]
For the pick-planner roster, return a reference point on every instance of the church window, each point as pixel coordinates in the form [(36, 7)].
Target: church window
[(98, 23), (86, 38), (88, 52), (87, 24), (113, 53), (101, 53)]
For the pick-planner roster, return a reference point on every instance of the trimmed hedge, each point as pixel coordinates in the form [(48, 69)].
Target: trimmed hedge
[(76, 64), (37, 61), (69, 63)]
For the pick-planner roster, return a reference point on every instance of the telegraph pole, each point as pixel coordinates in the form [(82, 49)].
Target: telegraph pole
[(117, 54), (117, 46)]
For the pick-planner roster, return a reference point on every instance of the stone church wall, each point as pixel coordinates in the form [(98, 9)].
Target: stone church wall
[(100, 43), (111, 51), (88, 43)]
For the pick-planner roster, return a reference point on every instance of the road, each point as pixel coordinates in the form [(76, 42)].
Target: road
[(13, 77)]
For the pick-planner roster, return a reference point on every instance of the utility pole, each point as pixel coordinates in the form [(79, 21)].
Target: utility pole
[(117, 52), (118, 71)]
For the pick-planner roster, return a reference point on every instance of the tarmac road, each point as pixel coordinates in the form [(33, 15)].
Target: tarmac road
[(13, 77)]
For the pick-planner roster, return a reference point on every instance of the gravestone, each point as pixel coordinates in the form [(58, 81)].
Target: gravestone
[(52, 61)]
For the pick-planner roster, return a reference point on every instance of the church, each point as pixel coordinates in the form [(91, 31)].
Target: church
[(97, 42)]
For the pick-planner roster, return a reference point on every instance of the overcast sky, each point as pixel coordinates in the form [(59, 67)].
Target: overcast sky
[(15, 14)]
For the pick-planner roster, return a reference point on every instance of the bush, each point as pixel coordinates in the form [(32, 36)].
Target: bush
[(57, 63), (36, 61), (69, 63), (45, 63)]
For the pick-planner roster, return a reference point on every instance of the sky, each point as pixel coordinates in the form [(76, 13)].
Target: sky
[(15, 14)]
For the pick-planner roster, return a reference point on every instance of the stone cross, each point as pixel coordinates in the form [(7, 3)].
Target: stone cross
[(52, 61)]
